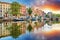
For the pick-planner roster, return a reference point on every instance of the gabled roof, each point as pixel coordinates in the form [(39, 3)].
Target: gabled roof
[(5, 2)]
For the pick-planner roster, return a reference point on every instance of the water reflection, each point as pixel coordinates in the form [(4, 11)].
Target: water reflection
[(14, 30), (29, 30)]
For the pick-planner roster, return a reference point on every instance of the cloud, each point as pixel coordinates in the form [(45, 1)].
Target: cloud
[(54, 1), (36, 2), (54, 4), (39, 2)]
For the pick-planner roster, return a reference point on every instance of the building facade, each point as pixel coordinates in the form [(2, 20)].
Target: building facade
[(49, 14), (4, 8), (23, 9), (37, 11)]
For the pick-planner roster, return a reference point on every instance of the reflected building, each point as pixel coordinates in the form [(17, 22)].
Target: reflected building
[(5, 25), (3, 30), (38, 26), (50, 23), (22, 26)]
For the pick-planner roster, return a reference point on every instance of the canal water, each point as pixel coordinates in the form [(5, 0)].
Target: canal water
[(31, 30)]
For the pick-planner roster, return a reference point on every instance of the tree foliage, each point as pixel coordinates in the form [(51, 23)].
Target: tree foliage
[(29, 28), (14, 30), (29, 11), (15, 7)]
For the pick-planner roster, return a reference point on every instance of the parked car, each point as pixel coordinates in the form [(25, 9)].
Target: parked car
[(33, 19), (27, 18)]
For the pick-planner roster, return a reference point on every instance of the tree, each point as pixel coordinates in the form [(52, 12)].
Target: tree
[(29, 28), (30, 11), (15, 7), (47, 16), (57, 15)]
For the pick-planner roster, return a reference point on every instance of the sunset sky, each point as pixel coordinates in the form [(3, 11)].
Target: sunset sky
[(47, 5)]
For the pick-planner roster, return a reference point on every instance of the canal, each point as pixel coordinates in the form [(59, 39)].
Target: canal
[(30, 30)]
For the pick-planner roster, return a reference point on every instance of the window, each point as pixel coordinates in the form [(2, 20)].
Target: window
[(0, 10), (3, 5), (0, 7), (0, 24), (0, 14), (4, 8)]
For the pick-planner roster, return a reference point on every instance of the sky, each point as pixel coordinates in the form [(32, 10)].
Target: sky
[(48, 5)]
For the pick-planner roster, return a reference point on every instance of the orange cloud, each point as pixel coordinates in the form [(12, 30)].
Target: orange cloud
[(51, 7)]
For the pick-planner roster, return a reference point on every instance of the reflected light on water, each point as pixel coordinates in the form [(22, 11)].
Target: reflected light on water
[(48, 28), (51, 31), (39, 31), (56, 27)]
